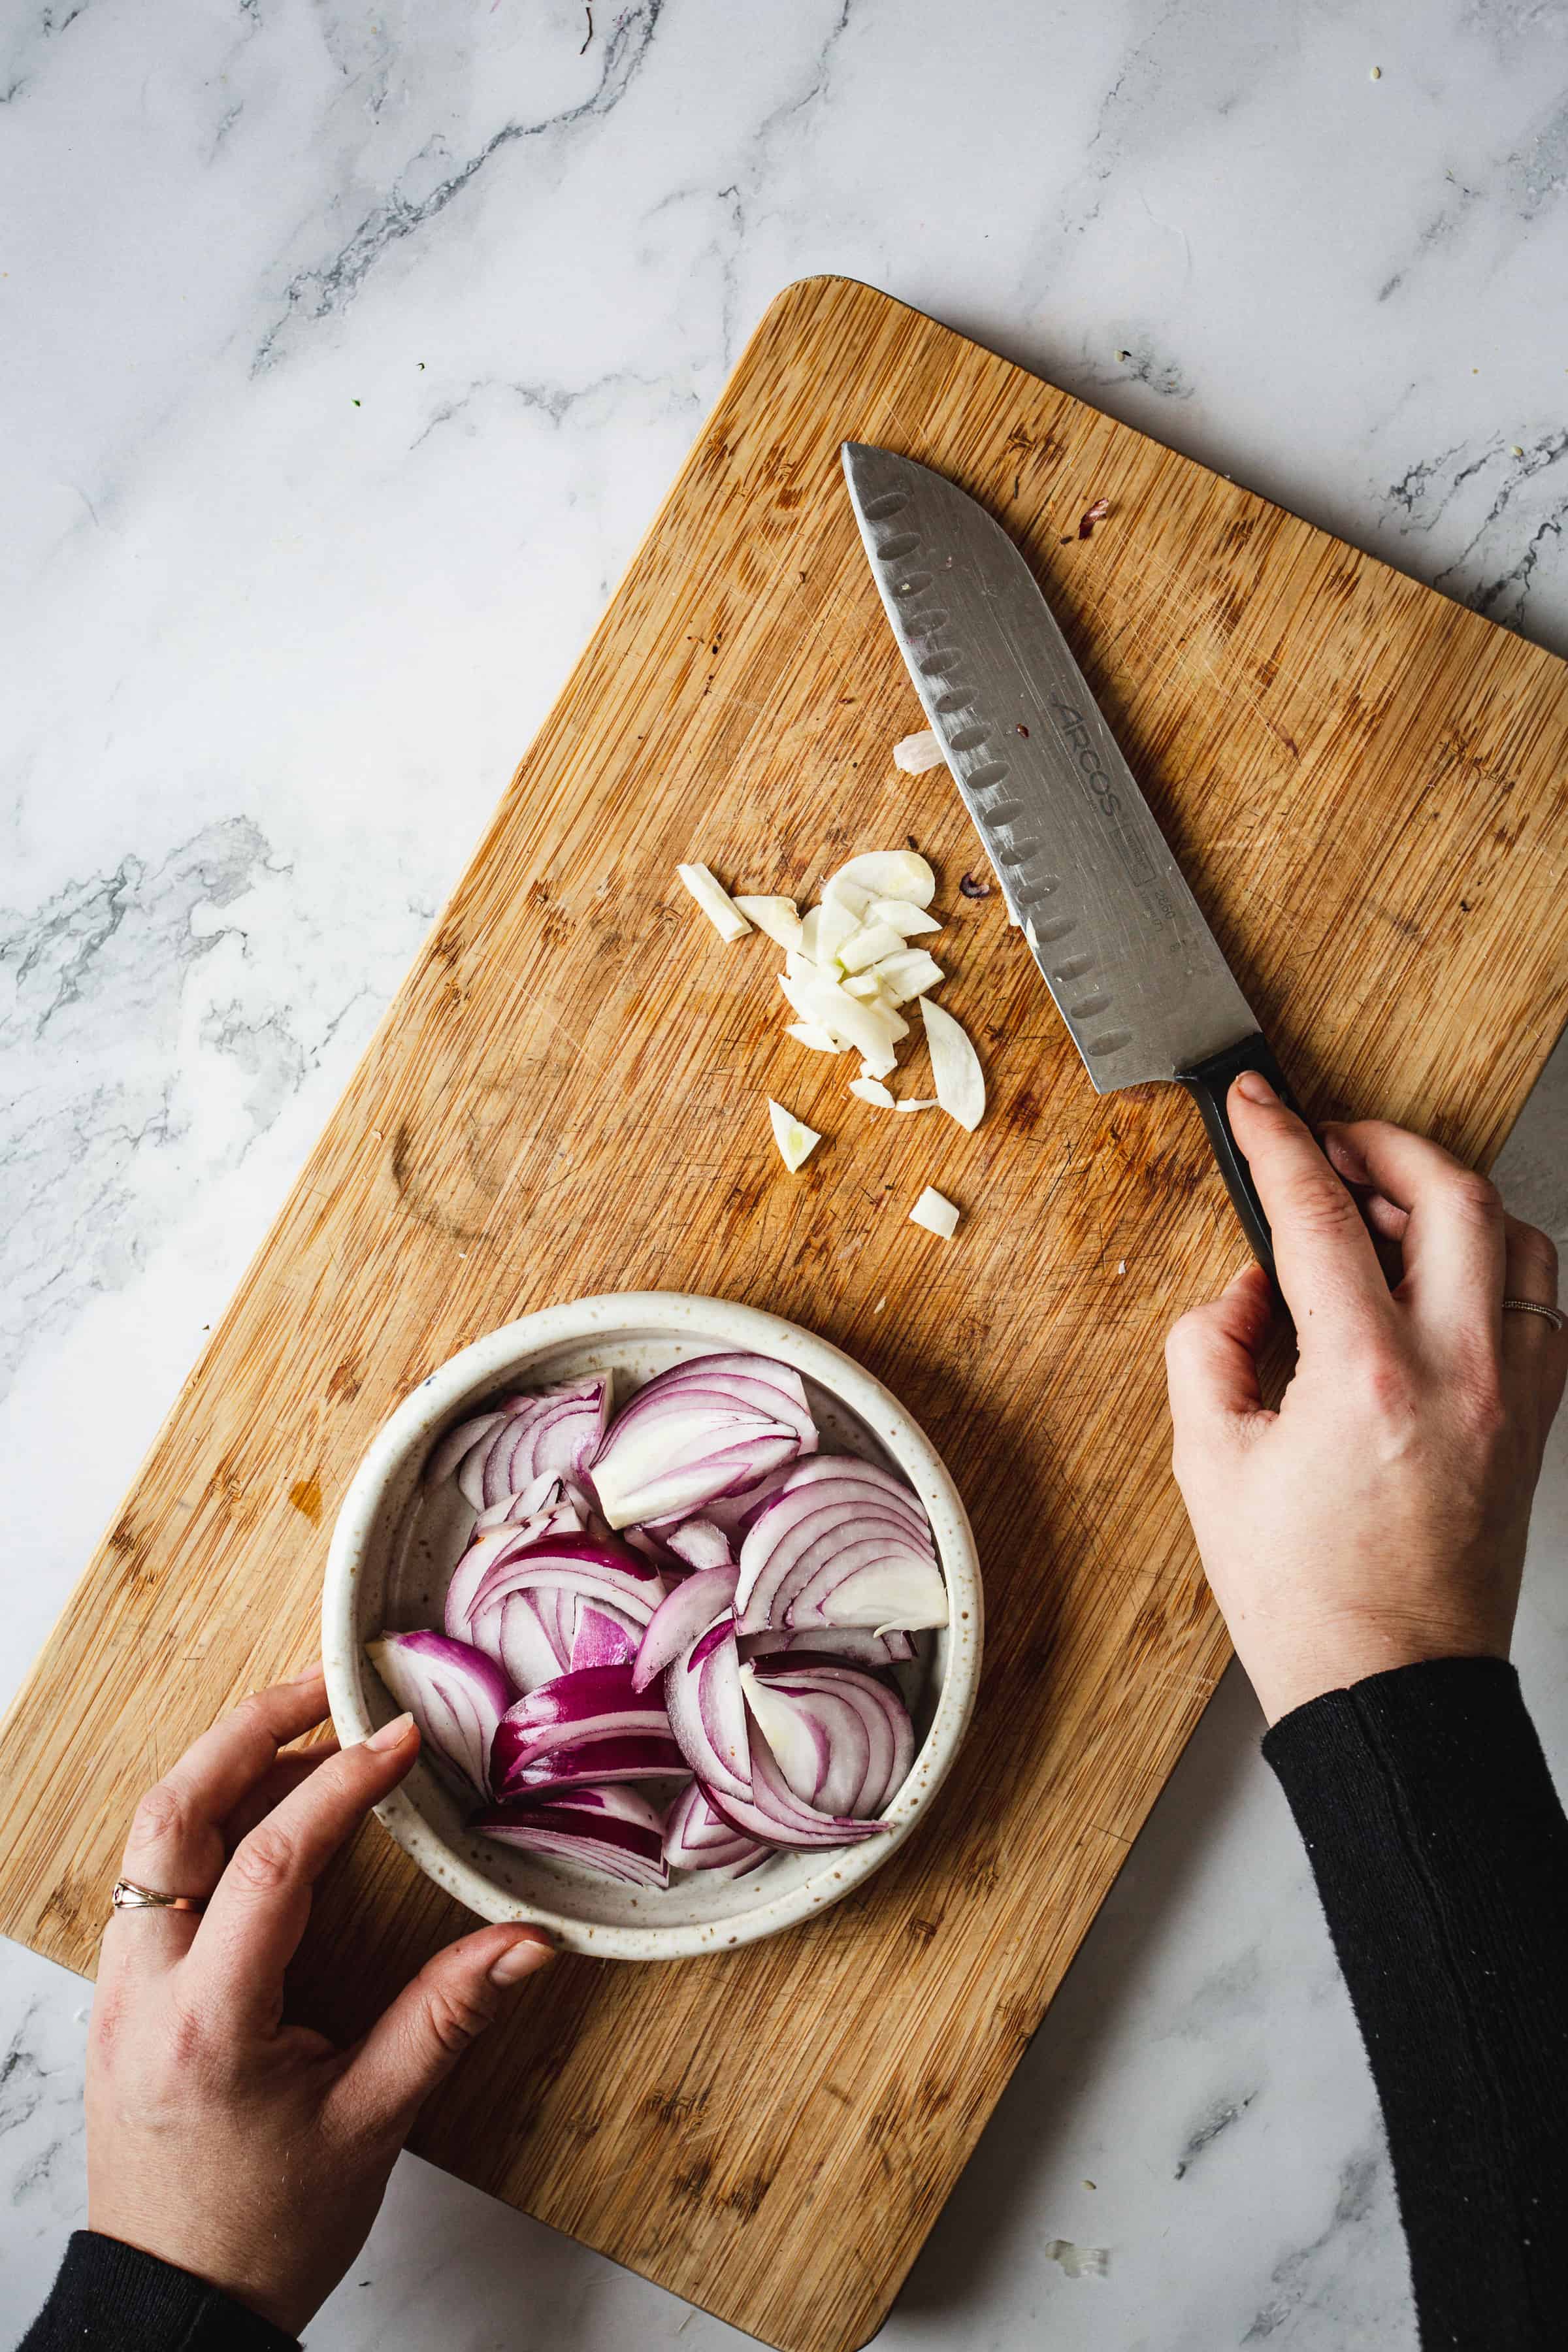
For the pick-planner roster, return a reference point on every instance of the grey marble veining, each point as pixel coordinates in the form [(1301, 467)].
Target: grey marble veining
[(350, 351)]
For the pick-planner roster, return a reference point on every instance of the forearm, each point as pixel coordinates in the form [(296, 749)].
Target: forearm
[(1440, 1851), (112, 2298)]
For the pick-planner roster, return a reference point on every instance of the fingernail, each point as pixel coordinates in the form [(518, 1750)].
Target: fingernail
[(1256, 1087), (1346, 1158), (393, 1733), (313, 1674), (520, 1960)]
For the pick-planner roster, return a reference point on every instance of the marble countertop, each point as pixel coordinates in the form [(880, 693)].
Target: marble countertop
[(350, 351)]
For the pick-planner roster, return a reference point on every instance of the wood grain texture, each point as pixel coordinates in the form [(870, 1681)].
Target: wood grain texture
[(1366, 786)]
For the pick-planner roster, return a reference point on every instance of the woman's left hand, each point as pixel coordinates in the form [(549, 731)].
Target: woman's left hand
[(250, 2152)]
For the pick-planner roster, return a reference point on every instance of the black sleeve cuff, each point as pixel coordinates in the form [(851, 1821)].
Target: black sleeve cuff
[(1441, 1853), (111, 2297)]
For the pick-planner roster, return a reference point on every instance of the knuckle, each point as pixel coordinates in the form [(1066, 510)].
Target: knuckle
[(1475, 1197), (1319, 1210), (162, 1813), (264, 1859), (1538, 1253), (457, 2014)]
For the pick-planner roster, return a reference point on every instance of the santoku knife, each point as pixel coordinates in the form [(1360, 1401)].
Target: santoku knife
[(1135, 970)]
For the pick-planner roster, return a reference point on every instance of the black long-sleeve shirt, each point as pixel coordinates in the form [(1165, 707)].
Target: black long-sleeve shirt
[(1441, 1856)]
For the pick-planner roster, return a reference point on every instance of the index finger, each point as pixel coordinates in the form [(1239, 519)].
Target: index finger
[(1324, 1255), (252, 1927), (175, 1844)]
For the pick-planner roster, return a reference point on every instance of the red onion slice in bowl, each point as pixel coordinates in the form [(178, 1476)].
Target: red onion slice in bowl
[(610, 1829), (849, 1645), (680, 1621), (775, 1814), (708, 1710), (594, 1705), (803, 1709), (697, 1838), (620, 1756), (706, 1428), (552, 1434), (455, 1695), (603, 1636), (839, 1542)]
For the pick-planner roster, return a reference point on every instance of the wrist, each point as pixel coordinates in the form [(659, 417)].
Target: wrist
[(1289, 1670)]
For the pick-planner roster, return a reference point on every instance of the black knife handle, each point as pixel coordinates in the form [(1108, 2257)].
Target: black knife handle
[(1208, 1085)]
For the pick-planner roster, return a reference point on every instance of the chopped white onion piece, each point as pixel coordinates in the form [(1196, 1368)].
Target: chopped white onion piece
[(776, 916), (937, 1215), (872, 1090), (873, 1030), (795, 1140), (868, 945), (853, 895), (715, 902), (908, 971), (910, 921), (917, 1102), (887, 873), (954, 1067), (916, 754), (838, 925), (865, 985), (806, 1033)]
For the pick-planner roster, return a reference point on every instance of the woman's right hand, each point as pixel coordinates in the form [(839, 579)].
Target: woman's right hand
[(220, 2139), (1378, 1519)]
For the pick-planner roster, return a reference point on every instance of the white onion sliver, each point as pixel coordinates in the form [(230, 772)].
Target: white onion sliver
[(795, 1140), (887, 874), (874, 1030), (910, 921), (917, 1102), (821, 1040), (936, 1214), (915, 753), (907, 971), (869, 944), (776, 916), (872, 1090), (956, 1066), (715, 902)]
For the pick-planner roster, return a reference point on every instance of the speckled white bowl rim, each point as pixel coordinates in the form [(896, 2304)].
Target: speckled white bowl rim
[(503, 1355)]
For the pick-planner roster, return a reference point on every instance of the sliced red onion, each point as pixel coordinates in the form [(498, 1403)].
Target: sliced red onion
[(552, 1435), (842, 1740), (455, 1695), (561, 1571), (710, 1427), (623, 1756), (698, 1543), (708, 1711), (542, 1494), (697, 1838), (852, 1645), (595, 1705), (498, 1543), (680, 1621), (603, 1636), (609, 1830), (458, 1443), (775, 1815), (839, 1542)]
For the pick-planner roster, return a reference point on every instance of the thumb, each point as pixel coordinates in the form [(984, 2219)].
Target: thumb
[(430, 2024), (1211, 1355)]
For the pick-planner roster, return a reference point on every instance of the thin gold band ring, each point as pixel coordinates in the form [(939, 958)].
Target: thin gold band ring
[(1553, 1315)]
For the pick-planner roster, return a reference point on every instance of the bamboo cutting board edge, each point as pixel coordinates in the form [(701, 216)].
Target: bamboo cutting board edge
[(1194, 1646)]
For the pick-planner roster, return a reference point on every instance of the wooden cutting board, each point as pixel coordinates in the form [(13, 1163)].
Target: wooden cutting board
[(1368, 788)]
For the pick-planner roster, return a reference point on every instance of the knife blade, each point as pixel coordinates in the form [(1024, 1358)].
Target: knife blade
[(1121, 943)]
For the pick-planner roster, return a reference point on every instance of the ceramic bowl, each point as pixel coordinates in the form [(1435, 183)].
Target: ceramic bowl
[(395, 1541)]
